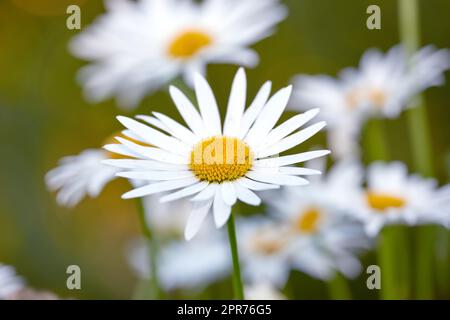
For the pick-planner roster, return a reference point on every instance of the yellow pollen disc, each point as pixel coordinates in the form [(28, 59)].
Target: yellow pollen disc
[(375, 96), (308, 222), (219, 159), (267, 243), (112, 140), (381, 201), (188, 43)]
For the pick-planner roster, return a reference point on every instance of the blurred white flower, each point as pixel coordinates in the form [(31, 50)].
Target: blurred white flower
[(10, 282), (324, 238), (185, 264), (394, 197), (383, 85), (216, 167), (263, 246), (263, 291), (80, 175), (139, 46)]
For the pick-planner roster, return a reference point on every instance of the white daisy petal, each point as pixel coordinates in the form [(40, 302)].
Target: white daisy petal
[(222, 211), (177, 130), (121, 149), (155, 175), (159, 187), (255, 185), (154, 153), (290, 126), (187, 111), (254, 109), (269, 116), (280, 179), (291, 141), (207, 193), (196, 188), (247, 196), (296, 171), (144, 164), (228, 193), (208, 106), (154, 137), (196, 218), (291, 159), (236, 104)]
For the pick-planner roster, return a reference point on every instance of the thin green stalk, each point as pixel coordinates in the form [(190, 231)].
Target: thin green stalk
[(420, 141), (152, 247), (338, 288), (375, 141), (392, 252), (237, 282)]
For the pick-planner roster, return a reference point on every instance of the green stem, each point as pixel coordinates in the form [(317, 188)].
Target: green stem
[(338, 288), (237, 282), (421, 147), (152, 252), (386, 255), (375, 141)]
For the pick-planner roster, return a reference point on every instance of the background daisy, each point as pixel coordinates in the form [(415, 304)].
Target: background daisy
[(140, 46)]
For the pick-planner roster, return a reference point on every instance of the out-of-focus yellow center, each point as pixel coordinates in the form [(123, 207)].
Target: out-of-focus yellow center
[(111, 140), (220, 158), (375, 96), (188, 43), (267, 242), (308, 221), (382, 201)]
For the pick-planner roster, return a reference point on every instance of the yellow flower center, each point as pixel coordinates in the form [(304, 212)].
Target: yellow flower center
[(308, 221), (267, 242), (382, 201), (219, 159), (188, 43), (111, 140), (375, 96)]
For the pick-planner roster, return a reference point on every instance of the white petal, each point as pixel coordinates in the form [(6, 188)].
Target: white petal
[(280, 179), (159, 187), (187, 111), (228, 193), (247, 196), (296, 171), (154, 137), (207, 193), (185, 192), (236, 104), (144, 164), (208, 106), (255, 185), (120, 149), (196, 218), (154, 153), (154, 122), (269, 116), (291, 159), (290, 126), (179, 131), (222, 211), (254, 109), (155, 175), (291, 141)]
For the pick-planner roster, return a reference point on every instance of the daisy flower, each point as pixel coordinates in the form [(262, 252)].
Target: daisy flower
[(324, 239), (137, 47), (213, 166), (264, 244), (394, 197), (10, 282), (382, 86)]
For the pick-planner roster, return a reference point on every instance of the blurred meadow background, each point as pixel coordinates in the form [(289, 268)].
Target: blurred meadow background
[(43, 116)]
